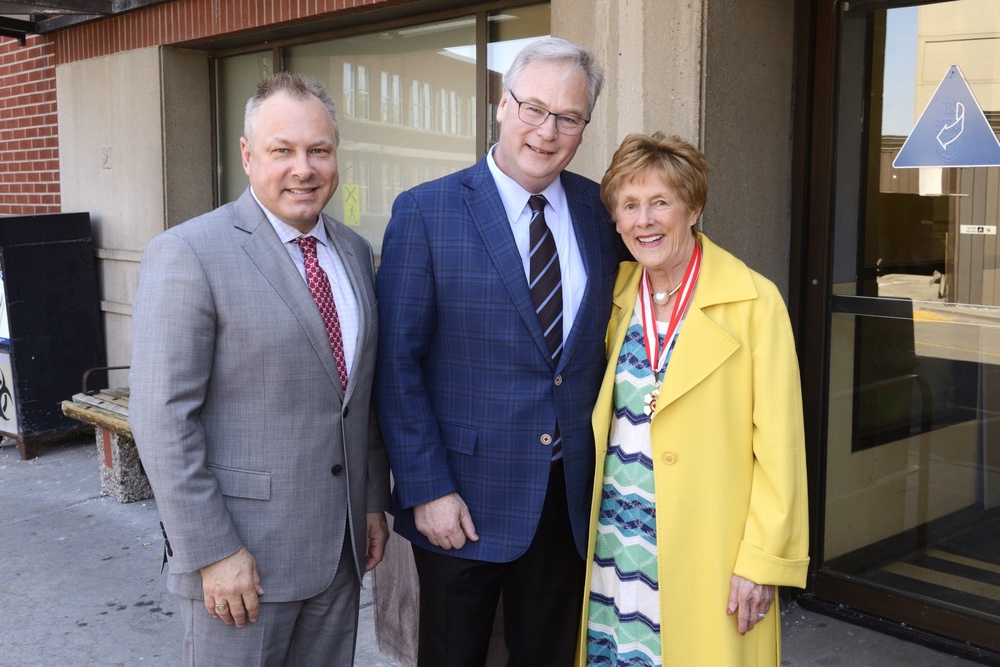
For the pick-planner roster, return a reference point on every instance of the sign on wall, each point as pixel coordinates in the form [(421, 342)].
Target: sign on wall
[(979, 229), (8, 410), (352, 204)]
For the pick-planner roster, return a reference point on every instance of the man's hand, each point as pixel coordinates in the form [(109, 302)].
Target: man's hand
[(446, 522), (231, 588), (751, 600), (378, 536)]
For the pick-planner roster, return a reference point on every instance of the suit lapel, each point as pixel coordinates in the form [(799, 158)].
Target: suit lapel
[(356, 275), (703, 346), (488, 215), (266, 251), (585, 226)]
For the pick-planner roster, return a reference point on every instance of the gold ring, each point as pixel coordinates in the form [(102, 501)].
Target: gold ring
[(221, 607)]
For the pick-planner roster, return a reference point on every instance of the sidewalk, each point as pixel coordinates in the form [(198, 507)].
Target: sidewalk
[(81, 582)]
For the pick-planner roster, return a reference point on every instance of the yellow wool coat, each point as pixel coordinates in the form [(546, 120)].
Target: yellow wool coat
[(728, 461)]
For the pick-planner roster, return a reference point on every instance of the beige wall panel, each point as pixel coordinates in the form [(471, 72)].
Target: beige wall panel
[(118, 274), (111, 165), (118, 327), (110, 137), (136, 152)]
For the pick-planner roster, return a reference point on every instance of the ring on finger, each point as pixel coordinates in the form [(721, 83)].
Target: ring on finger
[(758, 615), (221, 607)]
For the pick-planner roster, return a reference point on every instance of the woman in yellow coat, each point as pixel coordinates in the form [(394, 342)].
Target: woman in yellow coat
[(700, 489)]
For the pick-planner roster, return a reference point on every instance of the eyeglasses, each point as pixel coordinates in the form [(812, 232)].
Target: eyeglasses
[(532, 114)]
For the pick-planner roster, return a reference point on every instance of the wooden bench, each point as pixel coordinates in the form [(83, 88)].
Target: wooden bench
[(122, 476)]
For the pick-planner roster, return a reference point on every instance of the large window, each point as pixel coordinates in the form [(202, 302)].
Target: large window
[(912, 461), (355, 79), (392, 98), (426, 79)]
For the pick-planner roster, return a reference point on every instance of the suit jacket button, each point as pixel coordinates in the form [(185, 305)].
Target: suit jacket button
[(337, 469), (669, 458), (546, 439), (347, 411), (558, 380)]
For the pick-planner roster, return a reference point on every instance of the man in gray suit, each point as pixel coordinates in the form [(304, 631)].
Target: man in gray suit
[(253, 351)]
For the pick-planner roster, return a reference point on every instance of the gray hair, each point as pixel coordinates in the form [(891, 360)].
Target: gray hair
[(556, 49), (296, 86)]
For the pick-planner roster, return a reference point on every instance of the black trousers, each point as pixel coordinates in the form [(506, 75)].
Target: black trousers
[(542, 598)]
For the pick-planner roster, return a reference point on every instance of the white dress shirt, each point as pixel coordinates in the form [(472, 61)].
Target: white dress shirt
[(557, 217), (343, 293)]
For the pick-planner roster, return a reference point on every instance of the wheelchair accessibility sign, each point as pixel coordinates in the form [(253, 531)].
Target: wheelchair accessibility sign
[(952, 131)]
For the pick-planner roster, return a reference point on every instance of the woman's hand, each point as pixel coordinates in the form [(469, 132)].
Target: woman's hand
[(752, 602)]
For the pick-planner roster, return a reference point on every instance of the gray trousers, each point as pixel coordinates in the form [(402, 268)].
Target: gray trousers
[(317, 632)]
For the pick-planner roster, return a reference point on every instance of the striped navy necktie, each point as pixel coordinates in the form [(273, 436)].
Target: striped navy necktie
[(545, 281), (545, 278)]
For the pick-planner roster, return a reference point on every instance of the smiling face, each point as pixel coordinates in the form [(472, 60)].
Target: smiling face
[(656, 226), (291, 159), (534, 156)]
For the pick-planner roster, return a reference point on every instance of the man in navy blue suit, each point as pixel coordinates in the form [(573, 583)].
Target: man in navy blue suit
[(485, 389)]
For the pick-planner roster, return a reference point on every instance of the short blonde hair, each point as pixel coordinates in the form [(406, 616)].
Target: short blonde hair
[(297, 87), (681, 166)]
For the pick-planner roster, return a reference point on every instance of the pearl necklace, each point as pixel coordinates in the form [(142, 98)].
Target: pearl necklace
[(661, 298)]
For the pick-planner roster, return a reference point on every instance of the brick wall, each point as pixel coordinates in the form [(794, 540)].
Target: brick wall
[(29, 136), (29, 140), (189, 20)]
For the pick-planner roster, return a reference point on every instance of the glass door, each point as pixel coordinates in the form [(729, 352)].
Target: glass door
[(911, 525)]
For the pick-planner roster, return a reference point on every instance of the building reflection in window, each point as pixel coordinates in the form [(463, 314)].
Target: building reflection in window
[(424, 80)]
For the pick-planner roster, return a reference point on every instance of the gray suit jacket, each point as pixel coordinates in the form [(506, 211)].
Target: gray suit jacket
[(236, 405)]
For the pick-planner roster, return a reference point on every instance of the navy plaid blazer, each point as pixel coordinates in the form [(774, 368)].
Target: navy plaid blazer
[(464, 385)]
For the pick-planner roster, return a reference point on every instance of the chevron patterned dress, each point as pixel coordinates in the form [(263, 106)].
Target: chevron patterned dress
[(623, 627)]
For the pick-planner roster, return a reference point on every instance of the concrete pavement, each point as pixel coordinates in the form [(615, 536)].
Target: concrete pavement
[(80, 582)]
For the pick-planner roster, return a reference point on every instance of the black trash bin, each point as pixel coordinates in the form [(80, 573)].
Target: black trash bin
[(50, 324)]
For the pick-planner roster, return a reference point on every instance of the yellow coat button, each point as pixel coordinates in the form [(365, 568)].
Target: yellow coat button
[(669, 458), (546, 439)]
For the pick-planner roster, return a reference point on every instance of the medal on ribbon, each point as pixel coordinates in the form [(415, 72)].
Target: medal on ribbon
[(658, 352)]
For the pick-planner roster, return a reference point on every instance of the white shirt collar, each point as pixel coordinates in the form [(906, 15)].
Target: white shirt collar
[(288, 233), (515, 197)]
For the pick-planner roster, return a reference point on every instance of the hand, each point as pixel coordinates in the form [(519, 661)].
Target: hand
[(750, 600), (446, 522), (232, 588), (378, 536)]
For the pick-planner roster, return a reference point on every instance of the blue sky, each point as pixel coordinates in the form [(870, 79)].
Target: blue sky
[(898, 114)]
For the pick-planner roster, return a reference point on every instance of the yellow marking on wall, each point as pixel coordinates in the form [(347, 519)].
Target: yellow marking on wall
[(352, 204)]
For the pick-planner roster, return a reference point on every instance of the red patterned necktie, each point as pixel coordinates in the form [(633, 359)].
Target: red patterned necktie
[(319, 287)]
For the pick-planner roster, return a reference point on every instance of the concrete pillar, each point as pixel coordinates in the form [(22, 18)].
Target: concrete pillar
[(716, 73), (652, 57), (747, 131)]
